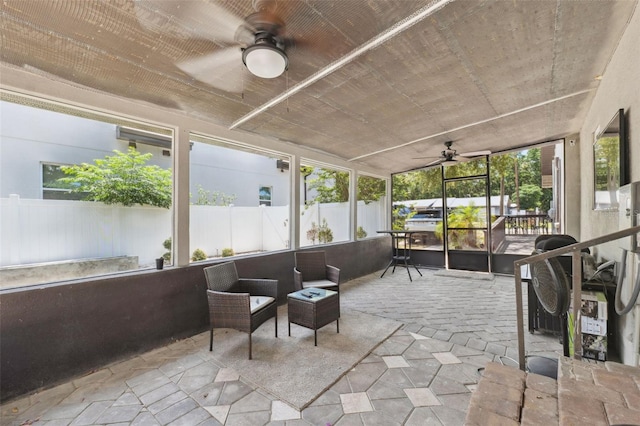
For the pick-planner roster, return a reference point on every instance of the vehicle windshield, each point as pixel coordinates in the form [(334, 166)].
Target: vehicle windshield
[(433, 214)]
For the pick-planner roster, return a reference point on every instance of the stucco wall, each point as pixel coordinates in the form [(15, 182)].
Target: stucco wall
[(619, 88), (30, 136), (571, 188)]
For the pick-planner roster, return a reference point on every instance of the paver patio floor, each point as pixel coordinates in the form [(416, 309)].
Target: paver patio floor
[(423, 374)]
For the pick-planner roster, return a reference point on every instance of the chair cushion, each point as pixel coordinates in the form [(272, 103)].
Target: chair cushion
[(319, 284), (259, 302)]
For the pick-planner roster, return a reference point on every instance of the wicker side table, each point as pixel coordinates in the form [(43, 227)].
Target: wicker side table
[(314, 308)]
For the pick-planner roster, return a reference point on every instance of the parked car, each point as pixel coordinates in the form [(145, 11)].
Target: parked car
[(426, 222)]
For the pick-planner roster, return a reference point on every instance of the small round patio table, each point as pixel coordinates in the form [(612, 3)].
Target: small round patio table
[(400, 251)]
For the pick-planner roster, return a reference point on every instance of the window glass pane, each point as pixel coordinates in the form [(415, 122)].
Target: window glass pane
[(104, 217), (265, 195), (54, 188), (372, 206), (467, 214), (225, 219), (475, 167), (324, 215), (50, 175), (417, 206), (526, 190)]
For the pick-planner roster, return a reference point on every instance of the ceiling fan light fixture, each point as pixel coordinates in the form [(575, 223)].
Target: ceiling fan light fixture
[(265, 60)]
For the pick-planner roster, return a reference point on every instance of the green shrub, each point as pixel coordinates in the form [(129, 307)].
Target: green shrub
[(167, 245), (361, 233), (226, 252), (197, 255), (325, 234), (312, 233)]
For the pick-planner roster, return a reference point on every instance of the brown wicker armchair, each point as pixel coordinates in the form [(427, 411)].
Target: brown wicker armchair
[(311, 270), (242, 304)]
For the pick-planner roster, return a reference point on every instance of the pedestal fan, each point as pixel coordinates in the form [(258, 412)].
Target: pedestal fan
[(551, 285)]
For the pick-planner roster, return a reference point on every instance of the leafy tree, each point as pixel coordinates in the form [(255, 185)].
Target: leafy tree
[(332, 186), (417, 184), (473, 167), (607, 165), (530, 196), (400, 184), (215, 198), (529, 171), (122, 178), (370, 189), (502, 165), (400, 215), (426, 183), (466, 188)]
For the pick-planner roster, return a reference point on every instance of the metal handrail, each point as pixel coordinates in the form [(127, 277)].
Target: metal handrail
[(576, 264)]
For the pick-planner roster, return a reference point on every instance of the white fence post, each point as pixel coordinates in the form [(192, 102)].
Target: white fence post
[(14, 229)]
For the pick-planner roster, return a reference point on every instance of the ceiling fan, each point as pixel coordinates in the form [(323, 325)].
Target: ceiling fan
[(450, 156), (256, 43)]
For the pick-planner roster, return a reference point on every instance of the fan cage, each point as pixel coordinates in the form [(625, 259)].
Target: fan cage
[(551, 286)]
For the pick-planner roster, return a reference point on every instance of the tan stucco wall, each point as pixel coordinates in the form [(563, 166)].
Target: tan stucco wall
[(619, 88), (571, 192)]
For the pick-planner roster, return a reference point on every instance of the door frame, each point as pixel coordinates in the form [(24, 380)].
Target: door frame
[(450, 255)]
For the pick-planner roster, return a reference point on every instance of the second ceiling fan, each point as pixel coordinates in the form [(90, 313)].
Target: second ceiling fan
[(450, 156)]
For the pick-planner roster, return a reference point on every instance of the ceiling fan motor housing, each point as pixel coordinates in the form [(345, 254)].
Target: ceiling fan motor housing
[(265, 58), (448, 152)]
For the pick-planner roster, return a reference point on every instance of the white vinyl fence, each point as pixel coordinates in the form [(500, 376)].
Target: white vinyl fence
[(37, 231)]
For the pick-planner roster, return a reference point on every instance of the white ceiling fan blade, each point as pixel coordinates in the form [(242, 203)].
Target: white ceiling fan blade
[(192, 18), (475, 153), (222, 69)]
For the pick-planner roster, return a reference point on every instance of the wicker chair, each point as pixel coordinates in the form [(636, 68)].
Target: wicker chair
[(312, 271), (239, 303)]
